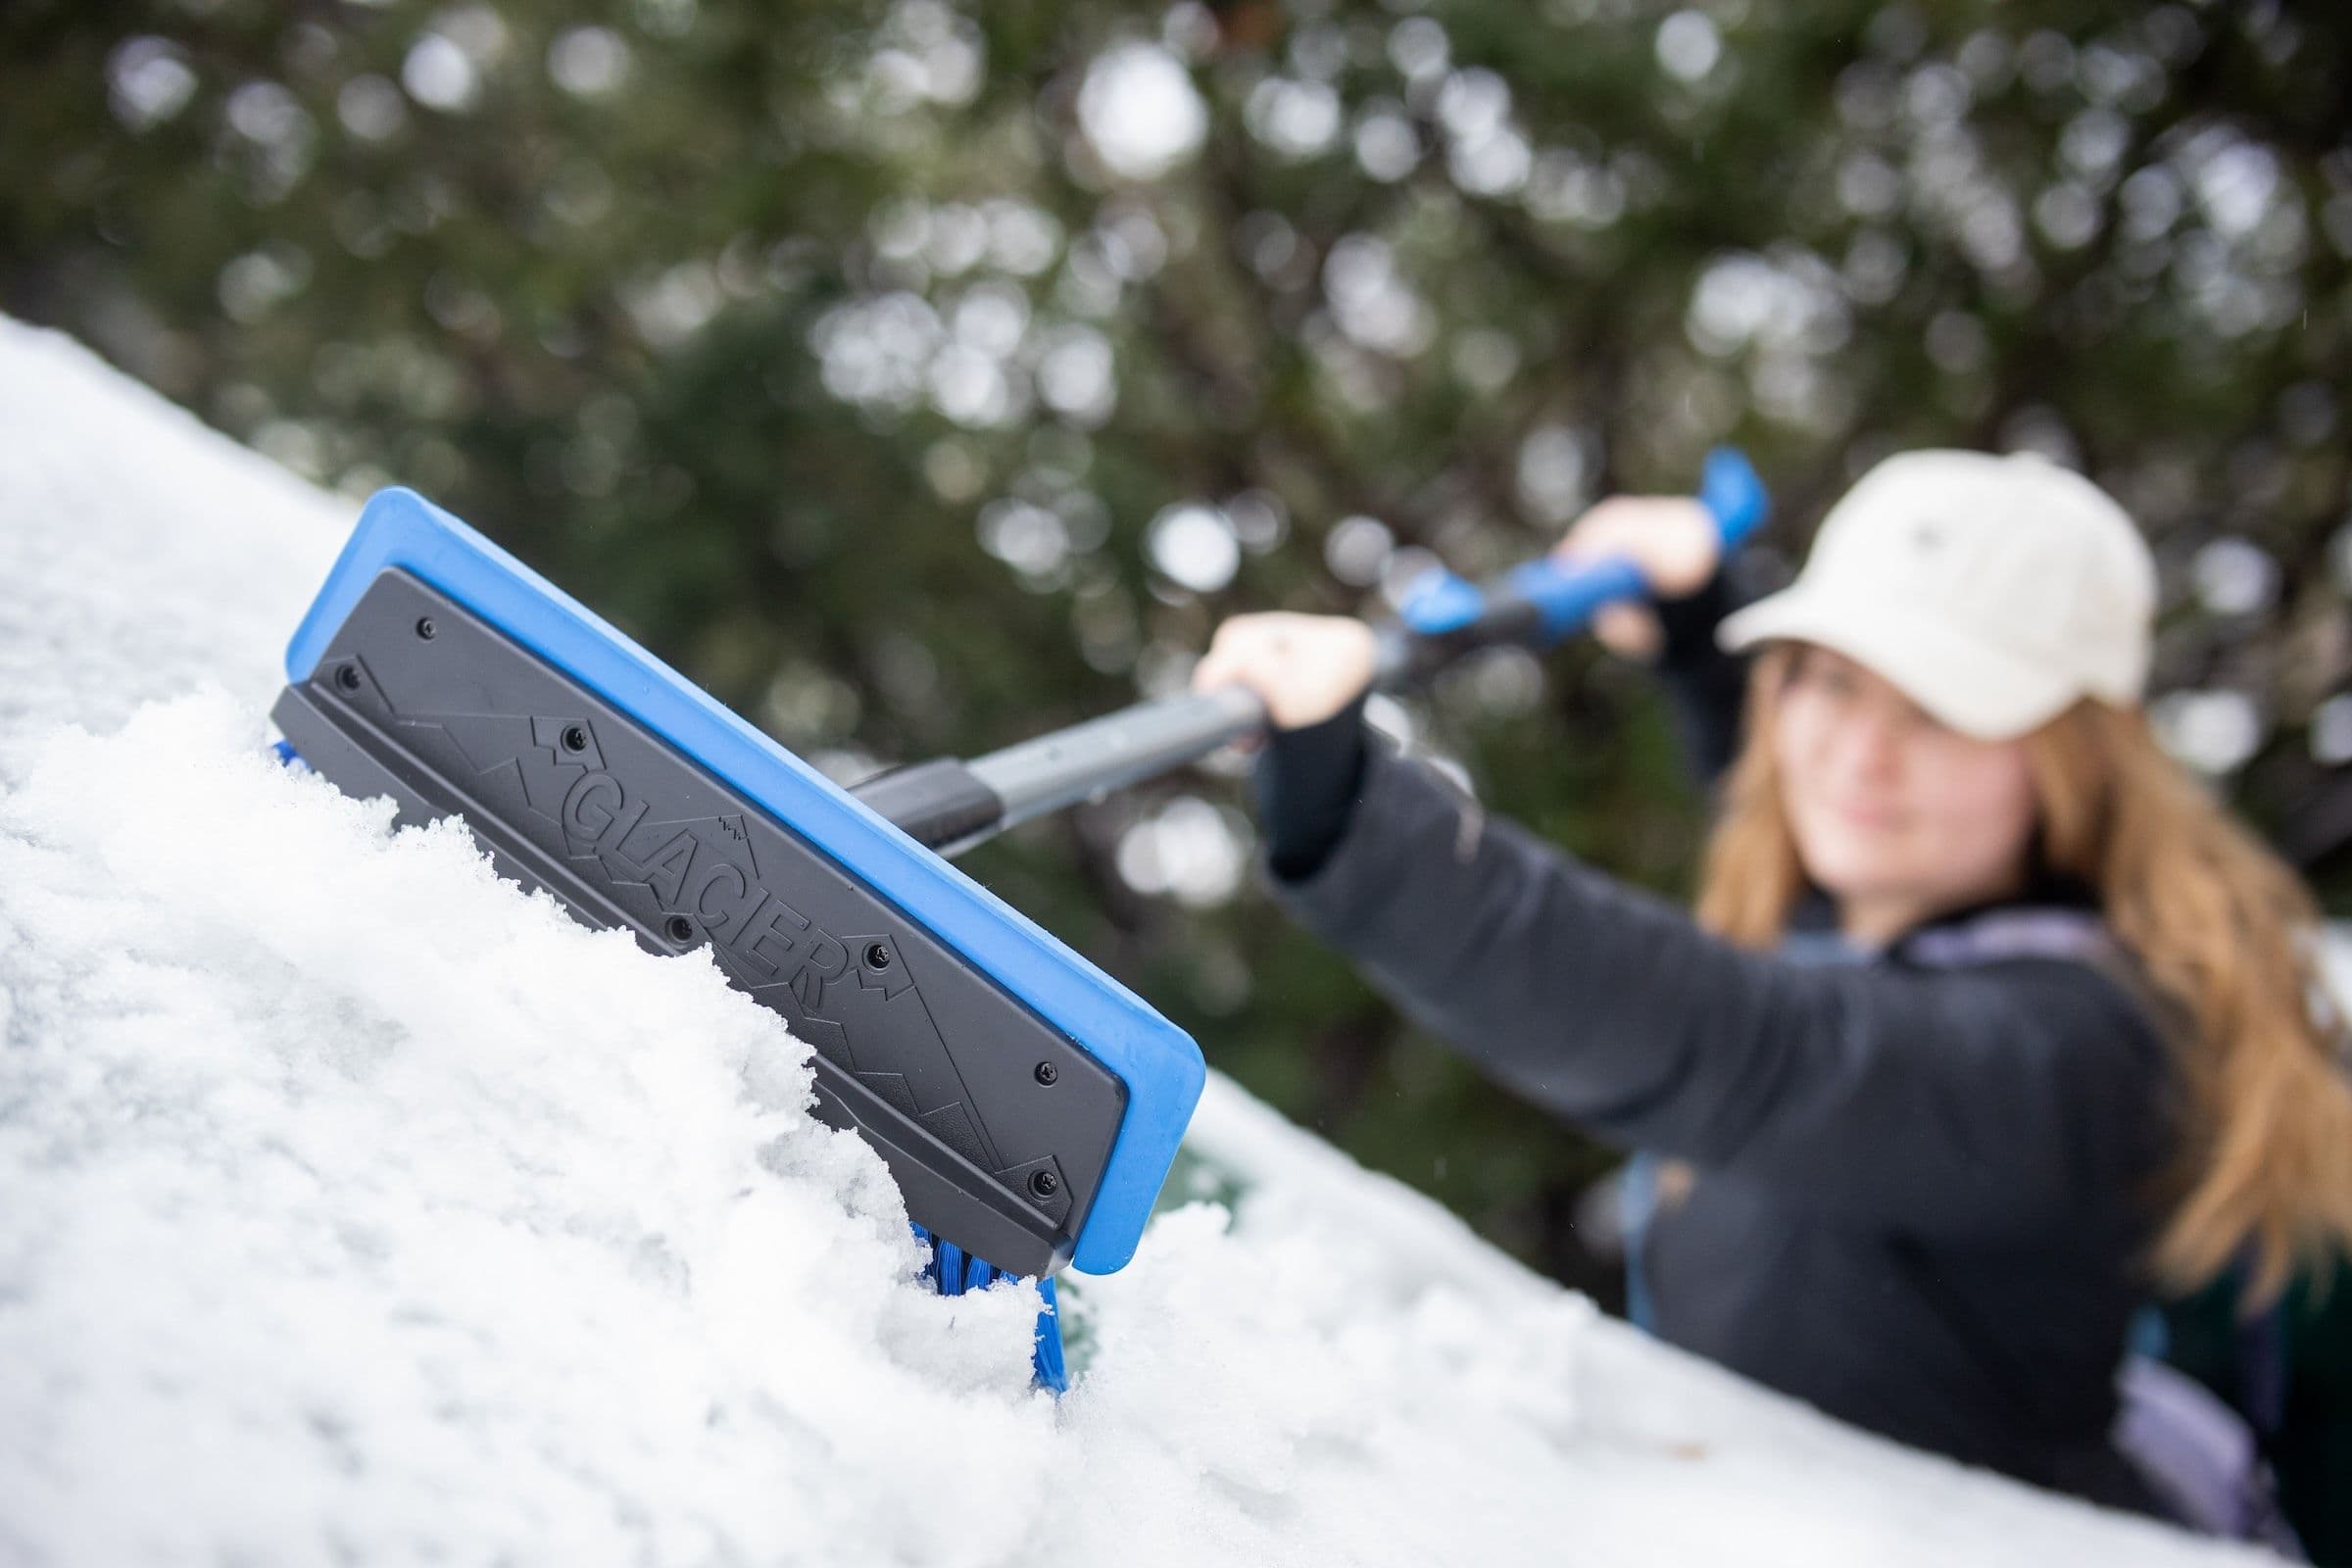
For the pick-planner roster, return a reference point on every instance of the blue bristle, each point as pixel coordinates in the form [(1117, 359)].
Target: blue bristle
[(953, 1271)]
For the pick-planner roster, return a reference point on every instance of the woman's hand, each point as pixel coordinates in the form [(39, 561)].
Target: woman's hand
[(1674, 541), (1304, 669)]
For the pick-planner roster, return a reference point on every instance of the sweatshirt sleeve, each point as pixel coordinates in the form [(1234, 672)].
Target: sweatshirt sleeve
[(1308, 783), (1706, 686), (1971, 1103)]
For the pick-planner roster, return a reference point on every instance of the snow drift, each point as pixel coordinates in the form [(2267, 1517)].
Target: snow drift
[(360, 1207)]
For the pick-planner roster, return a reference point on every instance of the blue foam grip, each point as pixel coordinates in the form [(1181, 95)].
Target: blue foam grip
[(1438, 601), (1159, 1062), (1566, 597)]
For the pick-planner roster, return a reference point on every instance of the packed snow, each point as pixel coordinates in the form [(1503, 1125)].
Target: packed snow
[(361, 1208)]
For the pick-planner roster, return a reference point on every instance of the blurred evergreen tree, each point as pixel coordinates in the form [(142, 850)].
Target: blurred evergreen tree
[(921, 377)]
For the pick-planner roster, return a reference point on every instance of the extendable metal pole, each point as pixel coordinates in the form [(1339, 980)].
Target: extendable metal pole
[(950, 806), (1086, 761)]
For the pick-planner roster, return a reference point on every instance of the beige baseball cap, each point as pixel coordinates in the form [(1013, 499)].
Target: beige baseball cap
[(1993, 591)]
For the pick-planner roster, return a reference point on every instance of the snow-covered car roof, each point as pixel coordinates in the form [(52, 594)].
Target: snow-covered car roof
[(356, 1206)]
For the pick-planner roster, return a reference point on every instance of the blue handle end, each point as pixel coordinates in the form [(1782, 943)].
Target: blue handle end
[(1731, 490)]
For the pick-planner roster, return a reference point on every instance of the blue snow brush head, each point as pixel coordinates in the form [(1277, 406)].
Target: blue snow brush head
[(1028, 1104)]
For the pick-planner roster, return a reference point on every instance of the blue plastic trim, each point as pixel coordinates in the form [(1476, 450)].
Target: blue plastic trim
[(1159, 1062)]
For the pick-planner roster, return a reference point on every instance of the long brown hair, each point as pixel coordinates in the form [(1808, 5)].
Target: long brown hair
[(2223, 932)]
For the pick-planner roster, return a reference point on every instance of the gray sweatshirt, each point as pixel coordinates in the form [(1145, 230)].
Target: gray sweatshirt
[(1923, 1176)]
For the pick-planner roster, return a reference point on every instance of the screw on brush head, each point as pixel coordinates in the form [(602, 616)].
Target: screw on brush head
[(680, 928), (1046, 1074), (575, 738), (1043, 1184), (877, 957), (425, 627)]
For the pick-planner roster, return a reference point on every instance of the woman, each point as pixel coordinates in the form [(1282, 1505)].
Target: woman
[(1988, 1021)]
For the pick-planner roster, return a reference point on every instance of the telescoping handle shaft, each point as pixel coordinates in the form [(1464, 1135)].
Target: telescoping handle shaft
[(951, 806)]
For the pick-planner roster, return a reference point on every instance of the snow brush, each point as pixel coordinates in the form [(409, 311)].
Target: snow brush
[(1027, 1105), (951, 804)]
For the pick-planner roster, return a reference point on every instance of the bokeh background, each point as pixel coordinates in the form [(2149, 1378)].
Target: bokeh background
[(919, 376)]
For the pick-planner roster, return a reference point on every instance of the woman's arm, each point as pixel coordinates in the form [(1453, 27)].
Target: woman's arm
[(1978, 1102)]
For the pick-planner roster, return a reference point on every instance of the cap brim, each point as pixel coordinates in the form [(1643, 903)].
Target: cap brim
[(1982, 691)]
